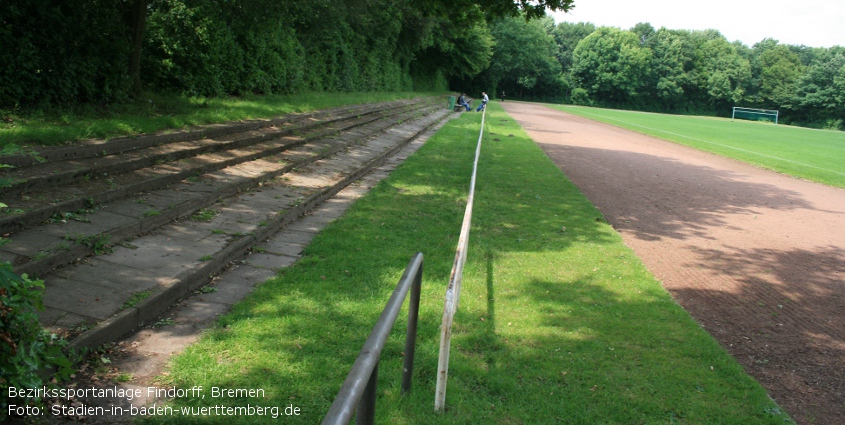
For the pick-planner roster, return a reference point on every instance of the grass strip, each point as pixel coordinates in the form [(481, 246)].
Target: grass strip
[(811, 154), (559, 322), (154, 112)]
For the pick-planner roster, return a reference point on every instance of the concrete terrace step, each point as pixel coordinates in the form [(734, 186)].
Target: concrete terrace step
[(64, 172), (162, 258), (41, 189), (126, 212), (99, 147)]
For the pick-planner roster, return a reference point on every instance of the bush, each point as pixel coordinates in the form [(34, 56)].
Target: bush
[(833, 124), (580, 96), (30, 357)]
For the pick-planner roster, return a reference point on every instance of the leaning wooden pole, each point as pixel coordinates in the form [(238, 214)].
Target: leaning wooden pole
[(453, 291)]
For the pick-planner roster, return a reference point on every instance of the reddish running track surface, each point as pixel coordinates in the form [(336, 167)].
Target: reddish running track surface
[(757, 257)]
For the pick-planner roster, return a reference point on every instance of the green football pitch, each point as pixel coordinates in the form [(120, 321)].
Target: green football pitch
[(816, 155)]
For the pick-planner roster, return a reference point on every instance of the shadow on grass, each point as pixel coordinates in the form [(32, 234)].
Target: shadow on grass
[(777, 310), (552, 327), (582, 353)]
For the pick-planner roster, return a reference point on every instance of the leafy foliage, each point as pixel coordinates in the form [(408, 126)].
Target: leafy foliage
[(531, 9), (26, 350), (722, 71), (776, 69), (673, 54), (524, 62), (62, 51), (821, 89), (462, 50), (665, 70), (79, 51), (525, 59), (567, 35), (610, 63), (76, 52)]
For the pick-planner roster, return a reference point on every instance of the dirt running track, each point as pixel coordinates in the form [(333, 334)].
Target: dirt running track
[(757, 257)]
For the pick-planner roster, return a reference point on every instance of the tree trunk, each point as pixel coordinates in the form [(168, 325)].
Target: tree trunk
[(137, 21)]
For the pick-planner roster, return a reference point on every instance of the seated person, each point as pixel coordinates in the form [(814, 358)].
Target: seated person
[(462, 101), (484, 100)]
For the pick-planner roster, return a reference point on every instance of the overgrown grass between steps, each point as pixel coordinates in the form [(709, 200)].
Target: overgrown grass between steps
[(157, 112), (559, 322)]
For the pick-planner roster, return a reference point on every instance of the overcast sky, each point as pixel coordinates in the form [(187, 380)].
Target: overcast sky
[(814, 23)]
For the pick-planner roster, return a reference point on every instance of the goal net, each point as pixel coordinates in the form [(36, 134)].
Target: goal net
[(754, 114)]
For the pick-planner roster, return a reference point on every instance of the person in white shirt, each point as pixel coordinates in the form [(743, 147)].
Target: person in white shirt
[(484, 100)]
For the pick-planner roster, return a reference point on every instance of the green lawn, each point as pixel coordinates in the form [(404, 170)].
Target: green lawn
[(816, 155), (559, 322)]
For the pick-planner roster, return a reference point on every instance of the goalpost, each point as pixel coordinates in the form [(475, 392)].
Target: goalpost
[(755, 114)]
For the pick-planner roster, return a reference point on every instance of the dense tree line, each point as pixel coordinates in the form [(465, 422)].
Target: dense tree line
[(663, 70), (78, 51), (101, 51)]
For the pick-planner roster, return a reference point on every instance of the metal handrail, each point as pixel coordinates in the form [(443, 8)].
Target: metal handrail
[(359, 388)]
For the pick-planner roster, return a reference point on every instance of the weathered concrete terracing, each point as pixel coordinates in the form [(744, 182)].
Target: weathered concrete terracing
[(119, 230)]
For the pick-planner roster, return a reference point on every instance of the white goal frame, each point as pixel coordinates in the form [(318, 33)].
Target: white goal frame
[(769, 112)]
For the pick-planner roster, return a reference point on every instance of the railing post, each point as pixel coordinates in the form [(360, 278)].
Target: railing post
[(367, 406), (411, 336)]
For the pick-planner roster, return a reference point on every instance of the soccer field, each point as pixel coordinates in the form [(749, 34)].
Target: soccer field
[(816, 155)]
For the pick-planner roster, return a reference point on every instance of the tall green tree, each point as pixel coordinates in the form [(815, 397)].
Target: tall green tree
[(820, 91), (701, 72), (644, 32), (531, 9), (611, 65), (457, 47), (524, 61), (672, 70), (68, 51), (191, 48), (776, 70), (567, 36), (721, 72)]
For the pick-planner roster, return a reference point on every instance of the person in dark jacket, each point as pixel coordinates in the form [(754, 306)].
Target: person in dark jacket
[(462, 101)]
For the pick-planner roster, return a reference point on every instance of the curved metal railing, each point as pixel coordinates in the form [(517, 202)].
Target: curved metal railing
[(360, 387)]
